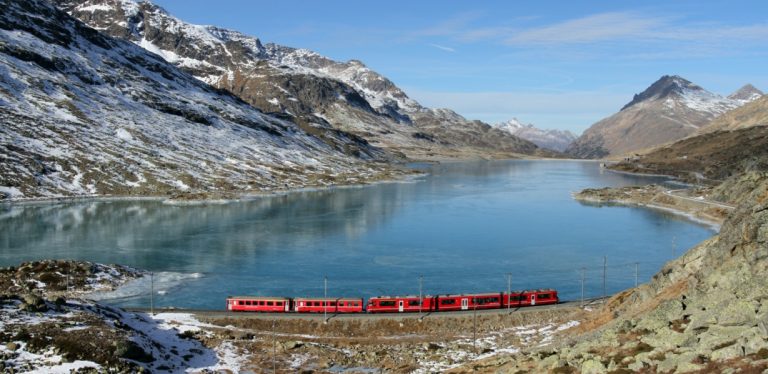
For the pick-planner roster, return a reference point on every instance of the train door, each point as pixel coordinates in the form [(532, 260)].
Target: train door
[(287, 305), (464, 304), (400, 304), (533, 299)]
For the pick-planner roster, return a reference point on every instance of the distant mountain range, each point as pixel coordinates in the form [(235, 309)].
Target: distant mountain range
[(557, 140), (324, 97), (672, 108)]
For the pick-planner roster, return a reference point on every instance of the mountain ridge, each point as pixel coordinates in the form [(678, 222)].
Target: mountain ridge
[(87, 114), (556, 140), (217, 56), (671, 108)]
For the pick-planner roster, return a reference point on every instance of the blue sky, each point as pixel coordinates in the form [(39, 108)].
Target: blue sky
[(557, 64)]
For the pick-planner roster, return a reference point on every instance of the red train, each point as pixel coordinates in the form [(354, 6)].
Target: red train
[(392, 304)]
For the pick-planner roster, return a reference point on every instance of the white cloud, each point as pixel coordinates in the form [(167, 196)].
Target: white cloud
[(442, 47)]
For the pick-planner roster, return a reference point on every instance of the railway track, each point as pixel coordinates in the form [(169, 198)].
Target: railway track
[(367, 316)]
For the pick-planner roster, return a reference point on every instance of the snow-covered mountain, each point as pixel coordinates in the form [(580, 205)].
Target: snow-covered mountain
[(670, 109), (82, 113), (557, 140), (751, 114), (323, 96), (746, 94)]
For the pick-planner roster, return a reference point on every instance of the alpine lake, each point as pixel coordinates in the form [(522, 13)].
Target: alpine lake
[(463, 227)]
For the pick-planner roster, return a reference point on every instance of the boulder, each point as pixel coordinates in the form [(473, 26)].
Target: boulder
[(592, 366)]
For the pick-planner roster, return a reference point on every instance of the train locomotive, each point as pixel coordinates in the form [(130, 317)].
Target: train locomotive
[(393, 304)]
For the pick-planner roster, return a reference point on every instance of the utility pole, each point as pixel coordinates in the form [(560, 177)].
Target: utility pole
[(636, 265), (325, 299), (152, 293), (421, 299), (474, 328), (509, 293), (582, 286), (605, 274)]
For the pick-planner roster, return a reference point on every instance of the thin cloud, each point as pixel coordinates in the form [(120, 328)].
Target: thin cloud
[(622, 26), (442, 47), (590, 29)]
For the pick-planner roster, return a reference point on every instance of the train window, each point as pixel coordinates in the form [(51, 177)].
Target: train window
[(248, 302), (448, 302), (269, 303), (544, 296), (357, 304), (341, 303), (485, 300), (279, 303), (333, 303), (414, 303), (516, 297), (261, 303), (387, 303), (240, 302)]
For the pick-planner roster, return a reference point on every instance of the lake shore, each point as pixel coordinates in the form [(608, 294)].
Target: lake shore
[(395, 175), (657, 197)]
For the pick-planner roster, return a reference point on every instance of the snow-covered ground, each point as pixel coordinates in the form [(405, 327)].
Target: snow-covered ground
[(510, 340), (161, 336)]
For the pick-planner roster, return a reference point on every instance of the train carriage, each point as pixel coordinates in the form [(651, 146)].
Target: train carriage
[(470, 301), (530, 298), (400, 304), (258, 304), (327, 305)]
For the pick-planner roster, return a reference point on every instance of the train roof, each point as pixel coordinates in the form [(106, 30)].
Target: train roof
[(328, 298), (438, 295), (461, 295), (280, 298)]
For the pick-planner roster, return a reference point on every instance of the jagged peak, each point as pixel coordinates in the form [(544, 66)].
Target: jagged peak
[(665, 86)]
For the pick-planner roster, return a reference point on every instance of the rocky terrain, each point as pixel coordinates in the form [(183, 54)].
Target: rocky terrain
[(336, 101), (55, 278), (709, 158), (704, 312), (556, 140), (87, 114), (670, 109)]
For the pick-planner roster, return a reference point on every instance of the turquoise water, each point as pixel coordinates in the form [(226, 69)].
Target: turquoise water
[(463, 227)]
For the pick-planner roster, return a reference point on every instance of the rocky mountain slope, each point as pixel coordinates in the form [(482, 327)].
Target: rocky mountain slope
[(752, 114), (83, 113), (670, 109), (323, 96), (556, 140), (704, 312), (708, 158)]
